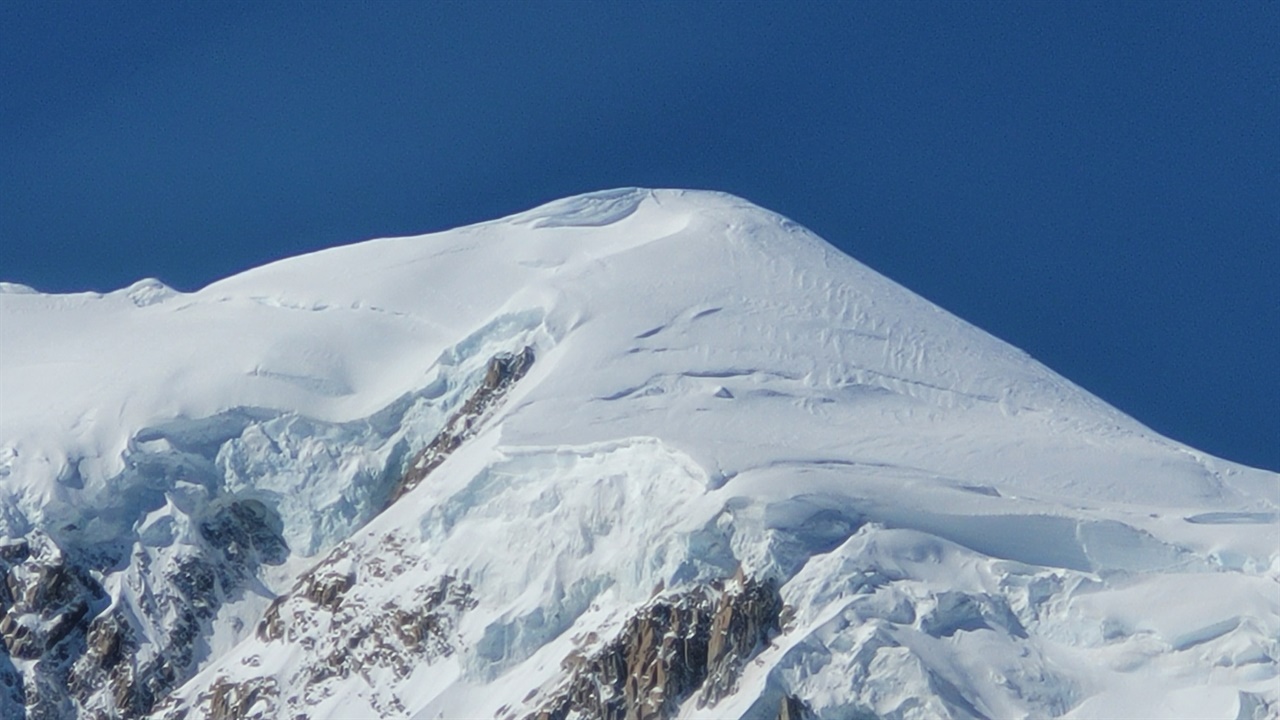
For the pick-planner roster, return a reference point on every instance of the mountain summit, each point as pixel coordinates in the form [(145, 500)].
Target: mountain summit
[(631, 454)]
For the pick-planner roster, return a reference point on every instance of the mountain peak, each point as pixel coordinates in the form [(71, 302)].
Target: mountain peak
[(535, 441)]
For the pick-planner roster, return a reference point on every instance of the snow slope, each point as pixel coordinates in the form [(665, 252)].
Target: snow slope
[(955, 529)]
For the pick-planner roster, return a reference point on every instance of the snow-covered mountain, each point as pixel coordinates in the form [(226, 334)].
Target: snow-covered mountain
[(632, 454)]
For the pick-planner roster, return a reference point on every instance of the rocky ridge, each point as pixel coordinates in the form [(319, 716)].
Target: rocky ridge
[(501, 372), (676, 646), (81, 654)]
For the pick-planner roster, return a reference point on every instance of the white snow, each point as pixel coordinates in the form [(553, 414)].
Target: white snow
[(960, 529)]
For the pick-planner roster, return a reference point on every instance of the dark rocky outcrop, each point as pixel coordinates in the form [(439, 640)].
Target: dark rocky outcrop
[(47, 605), (246, 533), (86, 654), (232, 701), (331, 613), (91, 658), (503, 371), (239, 535), (674, 648), (396, 635), (108, 662), (792, 708)]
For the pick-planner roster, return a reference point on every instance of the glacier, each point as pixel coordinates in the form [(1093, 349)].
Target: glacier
[(742, 475)]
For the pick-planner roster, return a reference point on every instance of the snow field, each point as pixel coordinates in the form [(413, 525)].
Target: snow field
[(956, 529)]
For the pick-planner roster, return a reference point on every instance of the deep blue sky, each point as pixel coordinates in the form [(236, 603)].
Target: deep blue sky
[(1098, 184)]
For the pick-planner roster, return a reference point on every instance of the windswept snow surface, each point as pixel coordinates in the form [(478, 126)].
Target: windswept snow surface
[(959, 530)]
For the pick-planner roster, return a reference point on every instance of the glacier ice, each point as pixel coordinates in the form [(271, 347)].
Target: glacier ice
[(718, 396)]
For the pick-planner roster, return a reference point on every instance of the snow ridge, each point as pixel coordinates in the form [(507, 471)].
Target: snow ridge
[(715, 399)]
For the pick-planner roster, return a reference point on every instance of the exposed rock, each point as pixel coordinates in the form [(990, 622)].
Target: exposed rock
[(13, 698), (791, 708), (106, 668), (502, 373), (246, 532), (108, 663), (86, 659), (48, 603), (109, 678), (326, 590), (65, 622), (323, 586), (329, 613), (738, 628), (666, 652), (255, 698), (122, 663), (14, 550)]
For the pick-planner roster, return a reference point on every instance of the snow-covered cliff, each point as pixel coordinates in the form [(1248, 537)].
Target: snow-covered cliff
[(630, 454)]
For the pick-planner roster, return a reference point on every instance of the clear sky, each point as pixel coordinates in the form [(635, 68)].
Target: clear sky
[(1098, 184)]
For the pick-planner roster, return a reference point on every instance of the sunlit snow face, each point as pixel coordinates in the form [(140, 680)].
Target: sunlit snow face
[(936, 509)]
